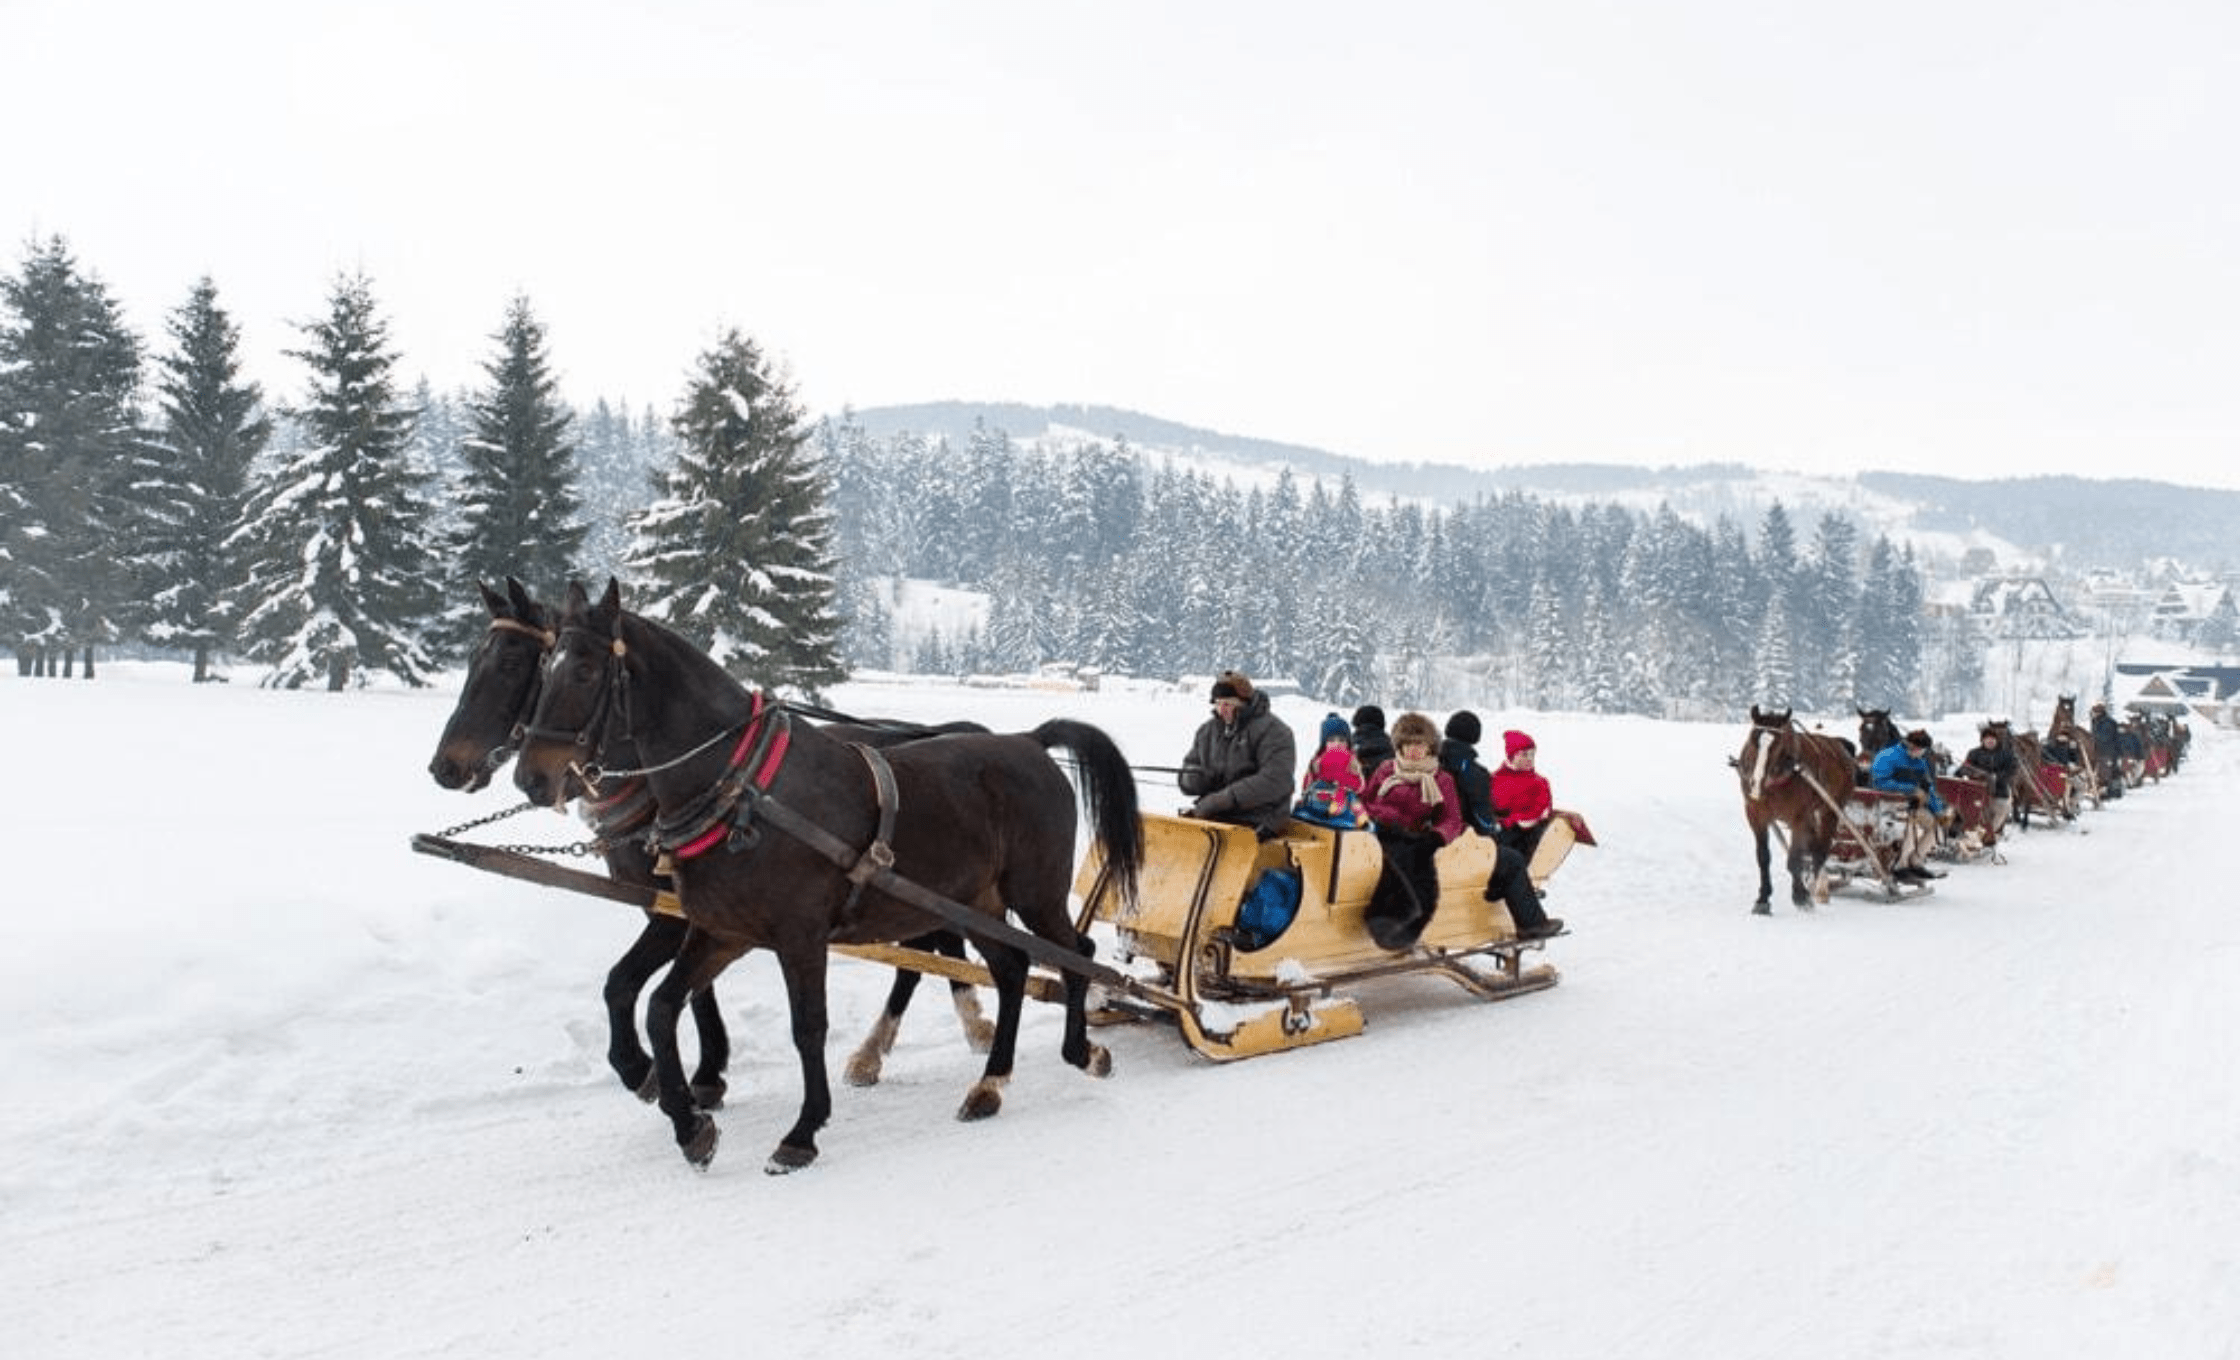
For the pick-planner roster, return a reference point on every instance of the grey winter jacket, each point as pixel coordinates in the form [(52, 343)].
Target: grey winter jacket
[(1244, 771)]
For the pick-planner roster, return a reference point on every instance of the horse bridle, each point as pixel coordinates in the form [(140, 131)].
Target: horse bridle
[(544, 637)]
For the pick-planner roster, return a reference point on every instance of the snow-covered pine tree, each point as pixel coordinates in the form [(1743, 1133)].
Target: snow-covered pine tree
[(613, 482), (338, 539), (1830, 585), (737, 555), (1775, 670), (1553, 650), (1881, 681), (214, 427), (986, 512), (519, 513), (1730, 612), (72, 452)]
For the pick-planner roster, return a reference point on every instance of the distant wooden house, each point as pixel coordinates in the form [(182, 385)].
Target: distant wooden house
[(2185, 609), (2208, 692), (2021, 607)]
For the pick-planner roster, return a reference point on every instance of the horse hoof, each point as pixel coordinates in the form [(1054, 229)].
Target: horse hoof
[(788, 1158), (708, 1095), (1100, 1061), (1763, 908), (700, 1148), (862, 1069), (980, 1103), (649, 1090)]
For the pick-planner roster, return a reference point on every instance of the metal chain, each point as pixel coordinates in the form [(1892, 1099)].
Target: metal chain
[(580, 849)]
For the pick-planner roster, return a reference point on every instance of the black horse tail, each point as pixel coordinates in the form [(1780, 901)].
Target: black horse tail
[(1108, 789)]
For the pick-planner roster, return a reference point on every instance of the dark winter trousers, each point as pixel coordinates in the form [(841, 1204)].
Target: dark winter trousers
[(1525, 840), (1407, 890), (1512, 883)]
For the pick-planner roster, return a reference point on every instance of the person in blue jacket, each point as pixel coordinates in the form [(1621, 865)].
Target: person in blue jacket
[(1902, 768)]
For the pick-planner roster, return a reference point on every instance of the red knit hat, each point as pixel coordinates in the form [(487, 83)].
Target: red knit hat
[(1517, 741)]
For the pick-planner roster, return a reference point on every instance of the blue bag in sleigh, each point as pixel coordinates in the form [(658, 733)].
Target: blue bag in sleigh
[(1268, 908), (1329, 804)]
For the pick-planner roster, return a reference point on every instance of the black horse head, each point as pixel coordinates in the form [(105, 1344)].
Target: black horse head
[(500, 688)]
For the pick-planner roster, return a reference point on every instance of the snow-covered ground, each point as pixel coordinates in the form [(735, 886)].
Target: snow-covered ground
[(277, 1086)]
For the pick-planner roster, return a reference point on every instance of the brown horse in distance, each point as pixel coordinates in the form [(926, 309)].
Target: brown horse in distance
[(2065, 724), (1800, 780)]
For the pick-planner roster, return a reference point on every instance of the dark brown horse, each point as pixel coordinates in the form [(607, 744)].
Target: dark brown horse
[(495, 700), (782, 835), (1801, 780), (1877, 733)]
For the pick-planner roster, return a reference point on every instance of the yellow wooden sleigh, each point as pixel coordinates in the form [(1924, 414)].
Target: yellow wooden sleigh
[(1180, 941)]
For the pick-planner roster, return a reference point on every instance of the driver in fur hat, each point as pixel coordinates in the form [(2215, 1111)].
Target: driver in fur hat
[(1243, 762)]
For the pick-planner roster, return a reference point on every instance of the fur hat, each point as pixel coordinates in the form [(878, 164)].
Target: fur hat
[(1232, 685), (1369, 715), (1465, 727), (1335, 726), (1514, 741), (1919, 737), (1414, 727)]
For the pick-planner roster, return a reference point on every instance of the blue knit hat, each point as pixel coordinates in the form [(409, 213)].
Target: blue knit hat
[(1335, 726)]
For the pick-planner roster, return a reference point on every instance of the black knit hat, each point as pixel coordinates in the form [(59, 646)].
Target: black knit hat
[(1464, 727), (1369, 715)]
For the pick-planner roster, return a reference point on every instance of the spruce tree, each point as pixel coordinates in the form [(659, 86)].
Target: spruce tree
[(737, 555), (340, 582), (614, 481), (214, 428), (519, 511), (72, 452)]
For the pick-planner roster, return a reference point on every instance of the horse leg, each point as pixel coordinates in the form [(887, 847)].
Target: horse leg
[(964, 998), (1800, 895), (1092, 1058), (1823, 843), (1764, 905), (863, 1066), (697, 964), (708, 1085), (805, 992), (656, 945), (1008, 967)]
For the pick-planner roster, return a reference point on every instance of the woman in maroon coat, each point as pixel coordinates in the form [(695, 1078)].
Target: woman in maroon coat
[(1416, 810)]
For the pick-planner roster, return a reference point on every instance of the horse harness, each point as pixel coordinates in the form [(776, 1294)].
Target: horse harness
[(727, 812)]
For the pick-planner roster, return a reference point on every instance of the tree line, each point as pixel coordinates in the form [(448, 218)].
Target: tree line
[(1092, 554), (161, 500)]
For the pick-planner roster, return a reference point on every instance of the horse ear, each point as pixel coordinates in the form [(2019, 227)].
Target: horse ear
[(611, 602), (492, 599), (578, 600), (520, 594)]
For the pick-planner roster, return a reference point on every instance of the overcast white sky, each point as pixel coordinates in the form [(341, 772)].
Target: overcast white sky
[(1986, 239)]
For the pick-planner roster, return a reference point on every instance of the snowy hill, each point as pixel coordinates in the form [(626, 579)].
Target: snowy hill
[(2027, 523)]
